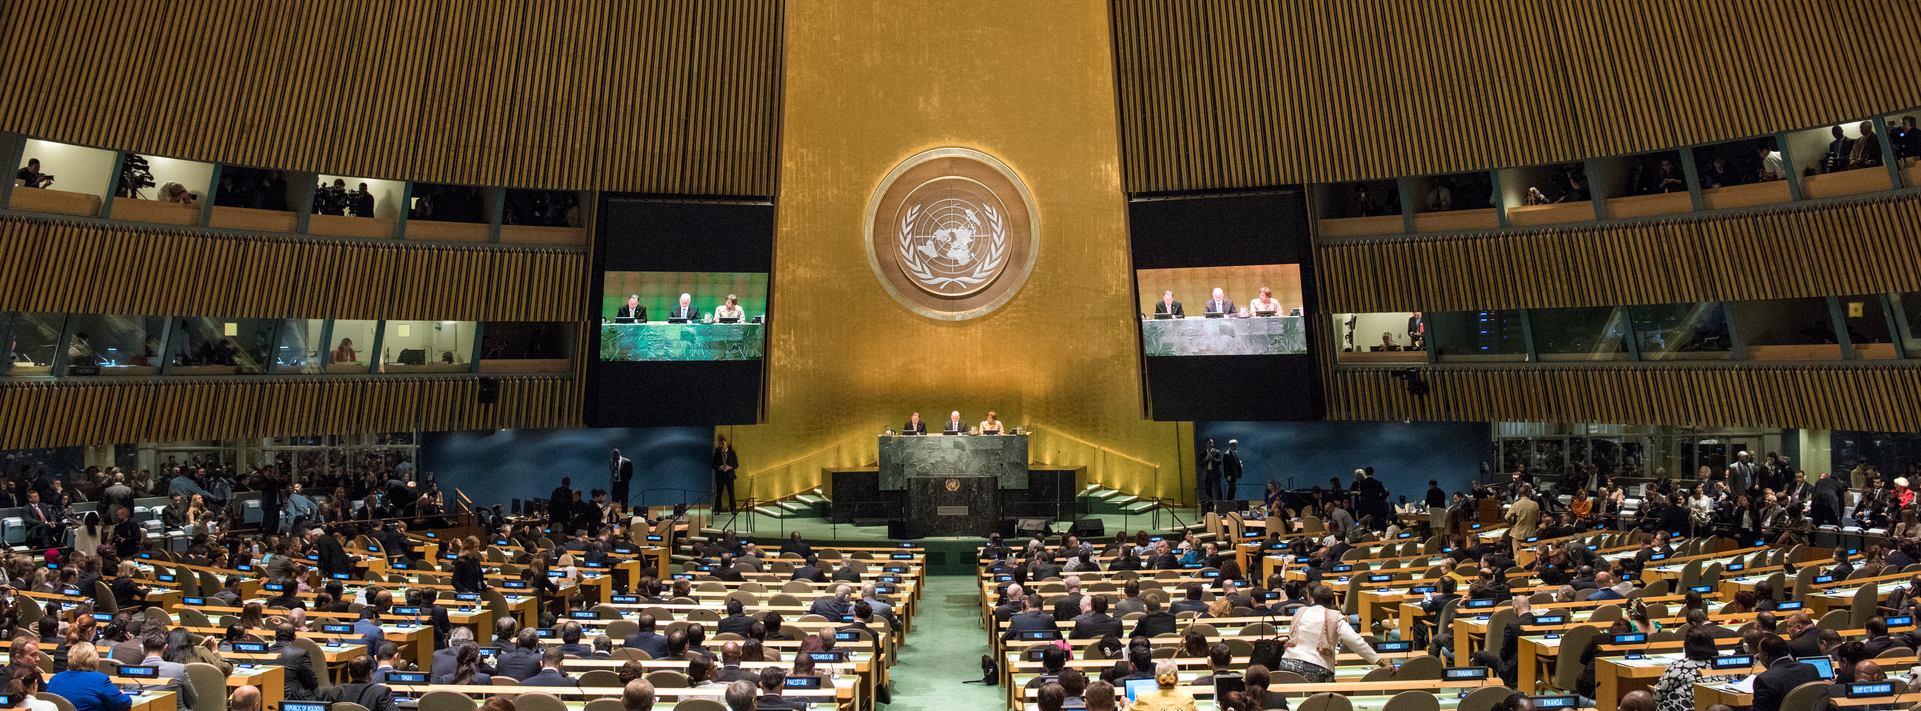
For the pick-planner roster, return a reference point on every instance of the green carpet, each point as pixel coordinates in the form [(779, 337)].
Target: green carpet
[(944, 650)]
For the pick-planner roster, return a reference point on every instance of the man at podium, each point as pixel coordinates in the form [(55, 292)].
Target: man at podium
[(954, 424), (914, 426)]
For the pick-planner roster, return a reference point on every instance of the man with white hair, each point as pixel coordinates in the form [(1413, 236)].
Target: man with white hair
[(686, 309), (835, 606), (1011, 602), (1219, 305), (1503, 659), (954, 424), (1068, 606), (882, 608)]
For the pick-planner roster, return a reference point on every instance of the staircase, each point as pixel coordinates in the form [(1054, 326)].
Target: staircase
[(806, 504), (1102, 500)]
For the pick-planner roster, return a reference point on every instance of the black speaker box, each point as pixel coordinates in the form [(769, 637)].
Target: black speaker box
[(1089, 528), (897, 529)]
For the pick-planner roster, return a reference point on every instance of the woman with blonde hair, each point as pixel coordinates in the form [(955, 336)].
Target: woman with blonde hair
[(1167, 695), (1220, 607)]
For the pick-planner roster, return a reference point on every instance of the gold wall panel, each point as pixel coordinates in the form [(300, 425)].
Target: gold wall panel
[(1863, 247), (1238, 93), (54, 265), (593, 94), (98, 412), (869, 84), (1878, 398)]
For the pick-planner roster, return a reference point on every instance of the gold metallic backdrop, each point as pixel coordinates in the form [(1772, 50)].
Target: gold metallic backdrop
[(105, 411), (676, 97), (55, 265), (872, 83), (1238, 93), (1862, 247), (1876, 398)]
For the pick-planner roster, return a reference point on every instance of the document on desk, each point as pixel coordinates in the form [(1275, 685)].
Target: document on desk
[(1745, 686)]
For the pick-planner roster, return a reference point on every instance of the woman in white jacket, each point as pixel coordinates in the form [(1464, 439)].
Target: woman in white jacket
[(1314, 634)]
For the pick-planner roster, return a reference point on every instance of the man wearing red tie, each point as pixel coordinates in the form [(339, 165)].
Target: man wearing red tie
[(43, 522), (1219, 305)]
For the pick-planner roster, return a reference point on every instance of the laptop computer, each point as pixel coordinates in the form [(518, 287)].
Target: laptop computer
[(727, 319), (1158, 316)]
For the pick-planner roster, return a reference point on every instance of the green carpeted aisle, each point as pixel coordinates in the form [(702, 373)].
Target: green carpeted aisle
[(944, 650)]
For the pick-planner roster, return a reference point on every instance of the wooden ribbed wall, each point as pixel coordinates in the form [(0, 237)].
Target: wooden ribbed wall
[(54, 265), (669, 97), (1876, 398), (99, 412), (1837, 248), (1237, 93)]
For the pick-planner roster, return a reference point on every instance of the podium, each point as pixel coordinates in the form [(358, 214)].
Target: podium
[(953, 483)]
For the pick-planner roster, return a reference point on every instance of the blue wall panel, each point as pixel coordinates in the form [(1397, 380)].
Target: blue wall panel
[(1404, 455), (528, 464)]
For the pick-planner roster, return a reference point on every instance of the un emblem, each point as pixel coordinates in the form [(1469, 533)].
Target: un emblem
[(951, 233)]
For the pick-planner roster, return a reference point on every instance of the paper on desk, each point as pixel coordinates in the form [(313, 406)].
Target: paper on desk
[(1745, 686)]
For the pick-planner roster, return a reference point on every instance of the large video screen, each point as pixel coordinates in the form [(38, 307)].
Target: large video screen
[(1221, 311), (649, 316), (659, 360), (1224, 288)]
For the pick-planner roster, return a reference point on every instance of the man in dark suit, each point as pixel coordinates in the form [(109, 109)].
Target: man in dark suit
[(810, 571), (646, 640), (1163, 557), (620, 471), (1192, 603), (333, 558), (301, 683), (1167, 305), (685, 309), (384, 660), (120, 496), (863, 619), (1878, 639), (1219, 304), (1231, 471), (523, 661), (570, 642), (726, 464), (44, 528), (730, 670), (1044, 567), (359, 688), (835, 606), (1783, 674), (726, 571), (737, 621), (914, 426), (954, 424), (1210, 474), (845, 573), (550, 673), (1032, 620), (1416, 331), (1069, 606), (1154, 622), (1131, 602), (1095, 623), (632, 311)]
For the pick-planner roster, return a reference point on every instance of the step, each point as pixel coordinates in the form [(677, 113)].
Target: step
[(811, 499), (1123, 501), (795, 506), (770, 511), (1106, 494), (1139, 507)]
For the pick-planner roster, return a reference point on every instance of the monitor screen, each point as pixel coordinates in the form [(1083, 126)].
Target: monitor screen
[(1796, 605), (394, 677), (1902, 621), (1569, 701), (1252, 249), (304, 706), (659, 363), (140, 672), (1824, 665), (1394, 647), (1458, 673), (1136, 687), (1871, 688), (1733, 661), (1479, 603), (250, 647), (1630, 638), (337, 629), (803, 682), (195, 601), (827, 656)]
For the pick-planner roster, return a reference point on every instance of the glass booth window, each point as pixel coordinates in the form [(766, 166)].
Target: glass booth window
[(1867, 324), (448, 203), (1681, 331), (116, 345), (252, 188), (35, 337), (1724, 165), (352, 347), (1386, 337), (1582, 333), (300, 347), (1468, 336), (1907, 320), (542, 208), (427, 346), (221, 346), (1786, 329), (524, 340)]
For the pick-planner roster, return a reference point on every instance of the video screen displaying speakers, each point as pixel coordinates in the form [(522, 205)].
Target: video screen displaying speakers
[(682, 315), (1208, 311), (1224, 288), (681, 311)]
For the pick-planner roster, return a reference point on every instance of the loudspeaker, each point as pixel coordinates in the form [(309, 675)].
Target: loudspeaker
[(489, 391), (897, 530), (1030, 525), (1088, 528)]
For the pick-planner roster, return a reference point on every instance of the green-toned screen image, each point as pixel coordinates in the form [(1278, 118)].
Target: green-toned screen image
[(641, 319)]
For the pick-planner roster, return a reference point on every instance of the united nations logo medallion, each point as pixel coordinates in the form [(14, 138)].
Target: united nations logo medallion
[(953, 485), (952, 233)]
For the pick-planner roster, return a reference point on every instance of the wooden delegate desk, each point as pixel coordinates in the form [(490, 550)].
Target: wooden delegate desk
[(853, 681), (665, 697)]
